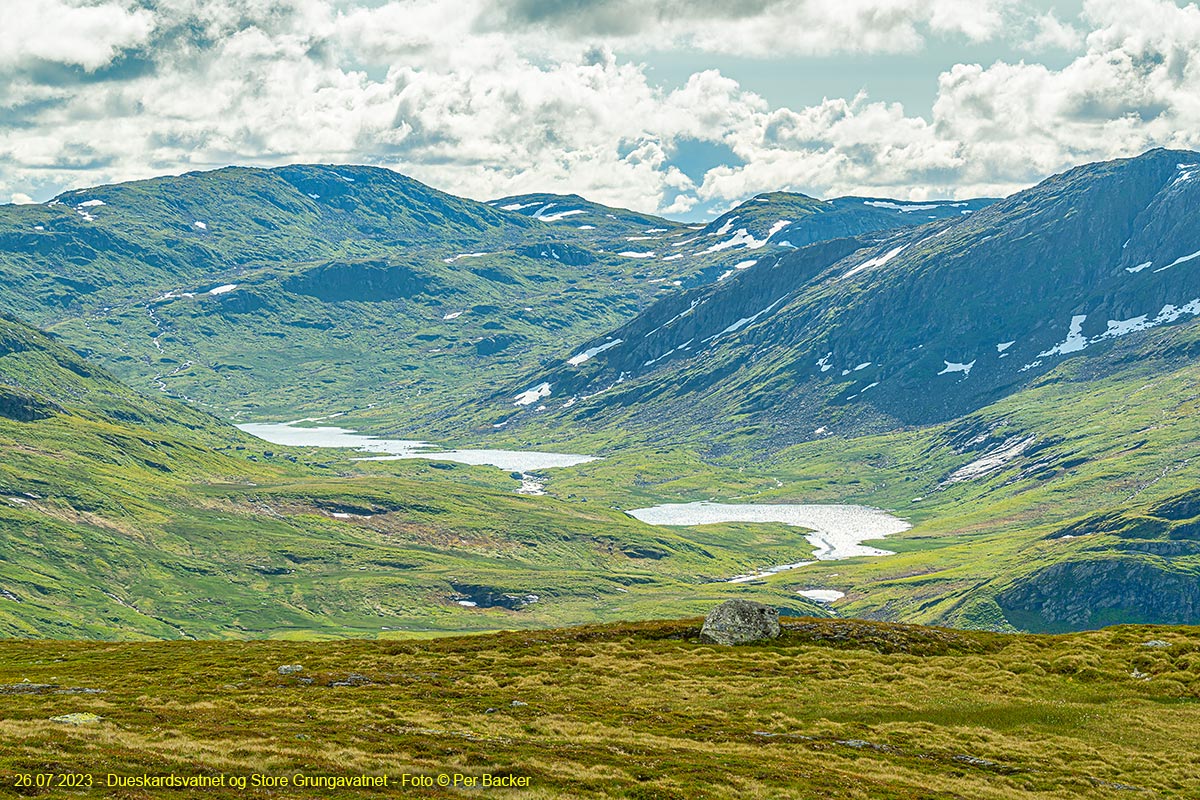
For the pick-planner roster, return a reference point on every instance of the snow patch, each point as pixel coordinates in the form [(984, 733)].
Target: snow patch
[(724, 229), (453, 315), (1074, 342), (1002, 346), (877, 261), (746, 239), (531, 396), (452, 259), (991, 460), (744, 321), (634, 254), (1140, 267), (91, 204), (1180, 260), (586, 355), (228, 287), (557, 215), (200, 226), (954, 366)]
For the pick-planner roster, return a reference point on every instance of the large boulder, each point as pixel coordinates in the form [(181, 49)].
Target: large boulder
[(740, 622)]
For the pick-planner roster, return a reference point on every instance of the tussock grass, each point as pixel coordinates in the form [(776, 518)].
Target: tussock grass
[(834, 708)]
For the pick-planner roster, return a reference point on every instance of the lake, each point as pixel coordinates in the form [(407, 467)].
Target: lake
[(291, 435), (835, 531)]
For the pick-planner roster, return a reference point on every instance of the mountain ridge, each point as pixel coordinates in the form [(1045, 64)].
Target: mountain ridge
[(820, 316)]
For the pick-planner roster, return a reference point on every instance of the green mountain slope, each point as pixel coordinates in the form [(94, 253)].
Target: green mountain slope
[(1043, 472), (125, 516), (317, 288), (1065, 505)]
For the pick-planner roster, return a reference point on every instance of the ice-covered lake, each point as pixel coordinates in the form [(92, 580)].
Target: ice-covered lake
[(836, 531), (286, 433)]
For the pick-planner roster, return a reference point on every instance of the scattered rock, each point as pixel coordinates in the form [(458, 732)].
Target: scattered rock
[(290, 669), (517, 703), (353, 679), (740, 622), (1156, 643), (478, 596), (26, 687), (78, 718)]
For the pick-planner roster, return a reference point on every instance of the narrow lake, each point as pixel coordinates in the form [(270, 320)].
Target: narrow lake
[(286, 433)]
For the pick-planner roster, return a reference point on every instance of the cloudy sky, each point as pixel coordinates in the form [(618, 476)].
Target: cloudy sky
[(676, 106)]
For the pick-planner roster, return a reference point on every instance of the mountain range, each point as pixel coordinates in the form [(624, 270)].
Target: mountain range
[(1016, 378)]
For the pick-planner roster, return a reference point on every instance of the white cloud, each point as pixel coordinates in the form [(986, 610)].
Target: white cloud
[(1051, 33), (759, 28), (458, 101), (20, 199), (72, 32)]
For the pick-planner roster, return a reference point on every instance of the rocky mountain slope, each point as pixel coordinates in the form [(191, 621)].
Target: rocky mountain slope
[(916, 326)]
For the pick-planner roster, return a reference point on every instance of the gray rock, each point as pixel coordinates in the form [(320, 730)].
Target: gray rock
[(740, 622), (1156, 643), (353, 679), (289, 669), (77, 718)]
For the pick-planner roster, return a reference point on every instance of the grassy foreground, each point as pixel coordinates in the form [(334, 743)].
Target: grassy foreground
[(834, 708)]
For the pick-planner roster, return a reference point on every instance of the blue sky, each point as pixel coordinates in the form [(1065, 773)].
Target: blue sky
[(682, 108)]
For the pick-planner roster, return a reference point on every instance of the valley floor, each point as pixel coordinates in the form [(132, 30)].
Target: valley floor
[(833, 709)]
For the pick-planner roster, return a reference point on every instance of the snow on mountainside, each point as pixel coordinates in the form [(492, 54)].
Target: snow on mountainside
[(918, 325)]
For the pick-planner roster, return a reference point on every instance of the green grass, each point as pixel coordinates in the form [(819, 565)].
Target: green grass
[(833, 709)]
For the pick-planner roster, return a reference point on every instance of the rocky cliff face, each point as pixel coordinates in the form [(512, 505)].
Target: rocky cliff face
[(1131, 565), (1092, 593)]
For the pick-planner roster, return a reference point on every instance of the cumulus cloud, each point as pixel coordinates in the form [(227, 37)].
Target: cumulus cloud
[(71, 32), (486, 99), (1051, 33), (761, 28)]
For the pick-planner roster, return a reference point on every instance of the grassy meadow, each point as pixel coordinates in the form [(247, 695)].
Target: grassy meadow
[(832, 709)]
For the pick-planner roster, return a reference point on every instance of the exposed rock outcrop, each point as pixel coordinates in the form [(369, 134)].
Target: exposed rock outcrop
[(740, 622)]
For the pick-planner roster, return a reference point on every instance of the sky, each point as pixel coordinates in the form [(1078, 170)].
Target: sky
[(679, 107)]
